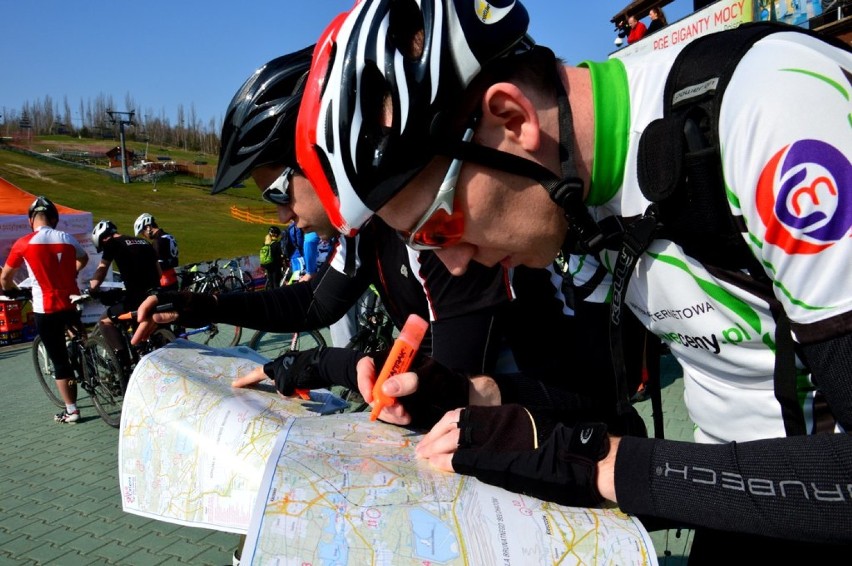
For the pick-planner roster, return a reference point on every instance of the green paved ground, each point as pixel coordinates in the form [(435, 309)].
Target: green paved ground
[(59, 500)]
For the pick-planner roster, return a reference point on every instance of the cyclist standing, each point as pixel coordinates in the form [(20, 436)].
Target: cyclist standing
[(272, 257), (165, 246), (53, 259)]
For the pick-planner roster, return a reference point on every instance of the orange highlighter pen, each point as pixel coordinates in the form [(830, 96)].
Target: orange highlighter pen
[(401, 355)]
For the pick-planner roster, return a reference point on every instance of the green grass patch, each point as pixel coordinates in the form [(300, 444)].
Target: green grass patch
[(183, 206)]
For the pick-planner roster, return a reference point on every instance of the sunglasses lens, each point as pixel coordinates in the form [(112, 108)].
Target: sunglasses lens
[(440, 231), (276, 197), (278, 192)]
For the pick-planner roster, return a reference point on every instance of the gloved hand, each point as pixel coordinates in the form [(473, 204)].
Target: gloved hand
[(194, 309), (504, 428), (562, 470), (314, 369), (439, 389)]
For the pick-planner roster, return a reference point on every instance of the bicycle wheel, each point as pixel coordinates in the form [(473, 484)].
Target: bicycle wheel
[(232, 283), (273, 344), (45, 373), (248, 280), (103, 374), (159, 338), (218, 335)]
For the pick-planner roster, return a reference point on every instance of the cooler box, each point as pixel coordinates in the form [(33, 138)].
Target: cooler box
[(11, 322)]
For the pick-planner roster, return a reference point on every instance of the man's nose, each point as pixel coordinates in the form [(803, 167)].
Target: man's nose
[(286, 214)]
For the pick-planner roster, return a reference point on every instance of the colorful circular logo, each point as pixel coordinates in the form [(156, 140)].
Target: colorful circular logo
[(804, 197)]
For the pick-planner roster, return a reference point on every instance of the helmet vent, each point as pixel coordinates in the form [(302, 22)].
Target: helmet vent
[(406, 29)]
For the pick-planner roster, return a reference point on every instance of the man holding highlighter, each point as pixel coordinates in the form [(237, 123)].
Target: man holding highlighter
[(297, 371)]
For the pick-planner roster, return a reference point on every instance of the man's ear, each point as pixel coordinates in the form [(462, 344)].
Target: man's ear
[(507, 113)]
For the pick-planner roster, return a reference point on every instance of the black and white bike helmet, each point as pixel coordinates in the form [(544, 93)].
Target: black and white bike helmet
[(101, 230), (357, 150), (45, 205), (142, 222), (261, 119)]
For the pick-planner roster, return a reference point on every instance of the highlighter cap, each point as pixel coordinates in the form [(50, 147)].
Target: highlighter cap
[(414, 330)]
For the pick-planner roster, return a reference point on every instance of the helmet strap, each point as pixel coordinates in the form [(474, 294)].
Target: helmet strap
[(567, 191)]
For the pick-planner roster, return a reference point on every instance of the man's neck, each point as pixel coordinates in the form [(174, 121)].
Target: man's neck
[(578, 84)]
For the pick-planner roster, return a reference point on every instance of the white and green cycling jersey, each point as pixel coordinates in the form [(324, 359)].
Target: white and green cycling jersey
[(786, 162)]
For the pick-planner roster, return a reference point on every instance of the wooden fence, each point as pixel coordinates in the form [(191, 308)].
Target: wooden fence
[(255, 215)]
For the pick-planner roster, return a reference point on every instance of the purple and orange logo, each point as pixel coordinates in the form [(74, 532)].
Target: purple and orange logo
[(812, 208)]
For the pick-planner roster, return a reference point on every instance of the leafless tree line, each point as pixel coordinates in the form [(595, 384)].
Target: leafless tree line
[(90, 120)]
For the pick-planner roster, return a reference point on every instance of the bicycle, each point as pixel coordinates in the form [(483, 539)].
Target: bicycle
[(237, 279), (375, 327), (215, 335), (212, 282), (96, 365), (110, 364), (274, 344), (45, 374), (374, 334)]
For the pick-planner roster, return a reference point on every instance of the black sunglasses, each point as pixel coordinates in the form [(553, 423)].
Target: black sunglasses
[(278, 192)]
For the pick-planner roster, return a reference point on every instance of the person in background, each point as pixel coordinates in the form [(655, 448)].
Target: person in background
[(637, 30), (296, 253), (164, 244), (272, 257), (139, 268), (135, 259), (658, 19), (53, 259), (310, 255), (519, 131)]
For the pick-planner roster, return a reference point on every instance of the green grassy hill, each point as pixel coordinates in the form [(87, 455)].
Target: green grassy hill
[(183, 206)]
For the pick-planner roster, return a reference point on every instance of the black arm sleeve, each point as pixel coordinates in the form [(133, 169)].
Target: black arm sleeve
[(796, 488), (829, 362), (302, 306), (467, 343)]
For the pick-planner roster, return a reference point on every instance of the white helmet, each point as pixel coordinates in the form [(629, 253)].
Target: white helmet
[(102, 229), (144, 219)]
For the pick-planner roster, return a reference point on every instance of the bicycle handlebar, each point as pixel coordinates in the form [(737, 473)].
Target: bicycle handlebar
[(15, 294)]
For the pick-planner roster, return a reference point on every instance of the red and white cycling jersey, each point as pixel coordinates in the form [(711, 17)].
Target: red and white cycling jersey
[(51, 258)]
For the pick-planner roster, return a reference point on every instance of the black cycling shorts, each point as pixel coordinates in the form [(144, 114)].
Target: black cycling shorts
[(51, 328)]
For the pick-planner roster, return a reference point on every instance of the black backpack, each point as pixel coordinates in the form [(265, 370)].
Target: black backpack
[(680, 172)]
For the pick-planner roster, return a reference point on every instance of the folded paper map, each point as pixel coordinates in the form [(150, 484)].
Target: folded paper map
[(332, 489)]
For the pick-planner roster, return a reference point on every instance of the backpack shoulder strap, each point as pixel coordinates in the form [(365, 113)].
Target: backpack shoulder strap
[(679, 161), (679, 170)]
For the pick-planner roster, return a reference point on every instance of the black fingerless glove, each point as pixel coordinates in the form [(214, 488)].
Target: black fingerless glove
[(439, 389), (562, 470), (194, 309), (505, 428), (314, 369)]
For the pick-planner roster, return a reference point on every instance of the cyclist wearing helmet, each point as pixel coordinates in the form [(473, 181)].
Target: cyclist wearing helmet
[(466, 313), (53, 259), (135, 259), (164, 244), (499, 125)]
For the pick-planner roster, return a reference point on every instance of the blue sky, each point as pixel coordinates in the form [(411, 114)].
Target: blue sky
[(193, 52)]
